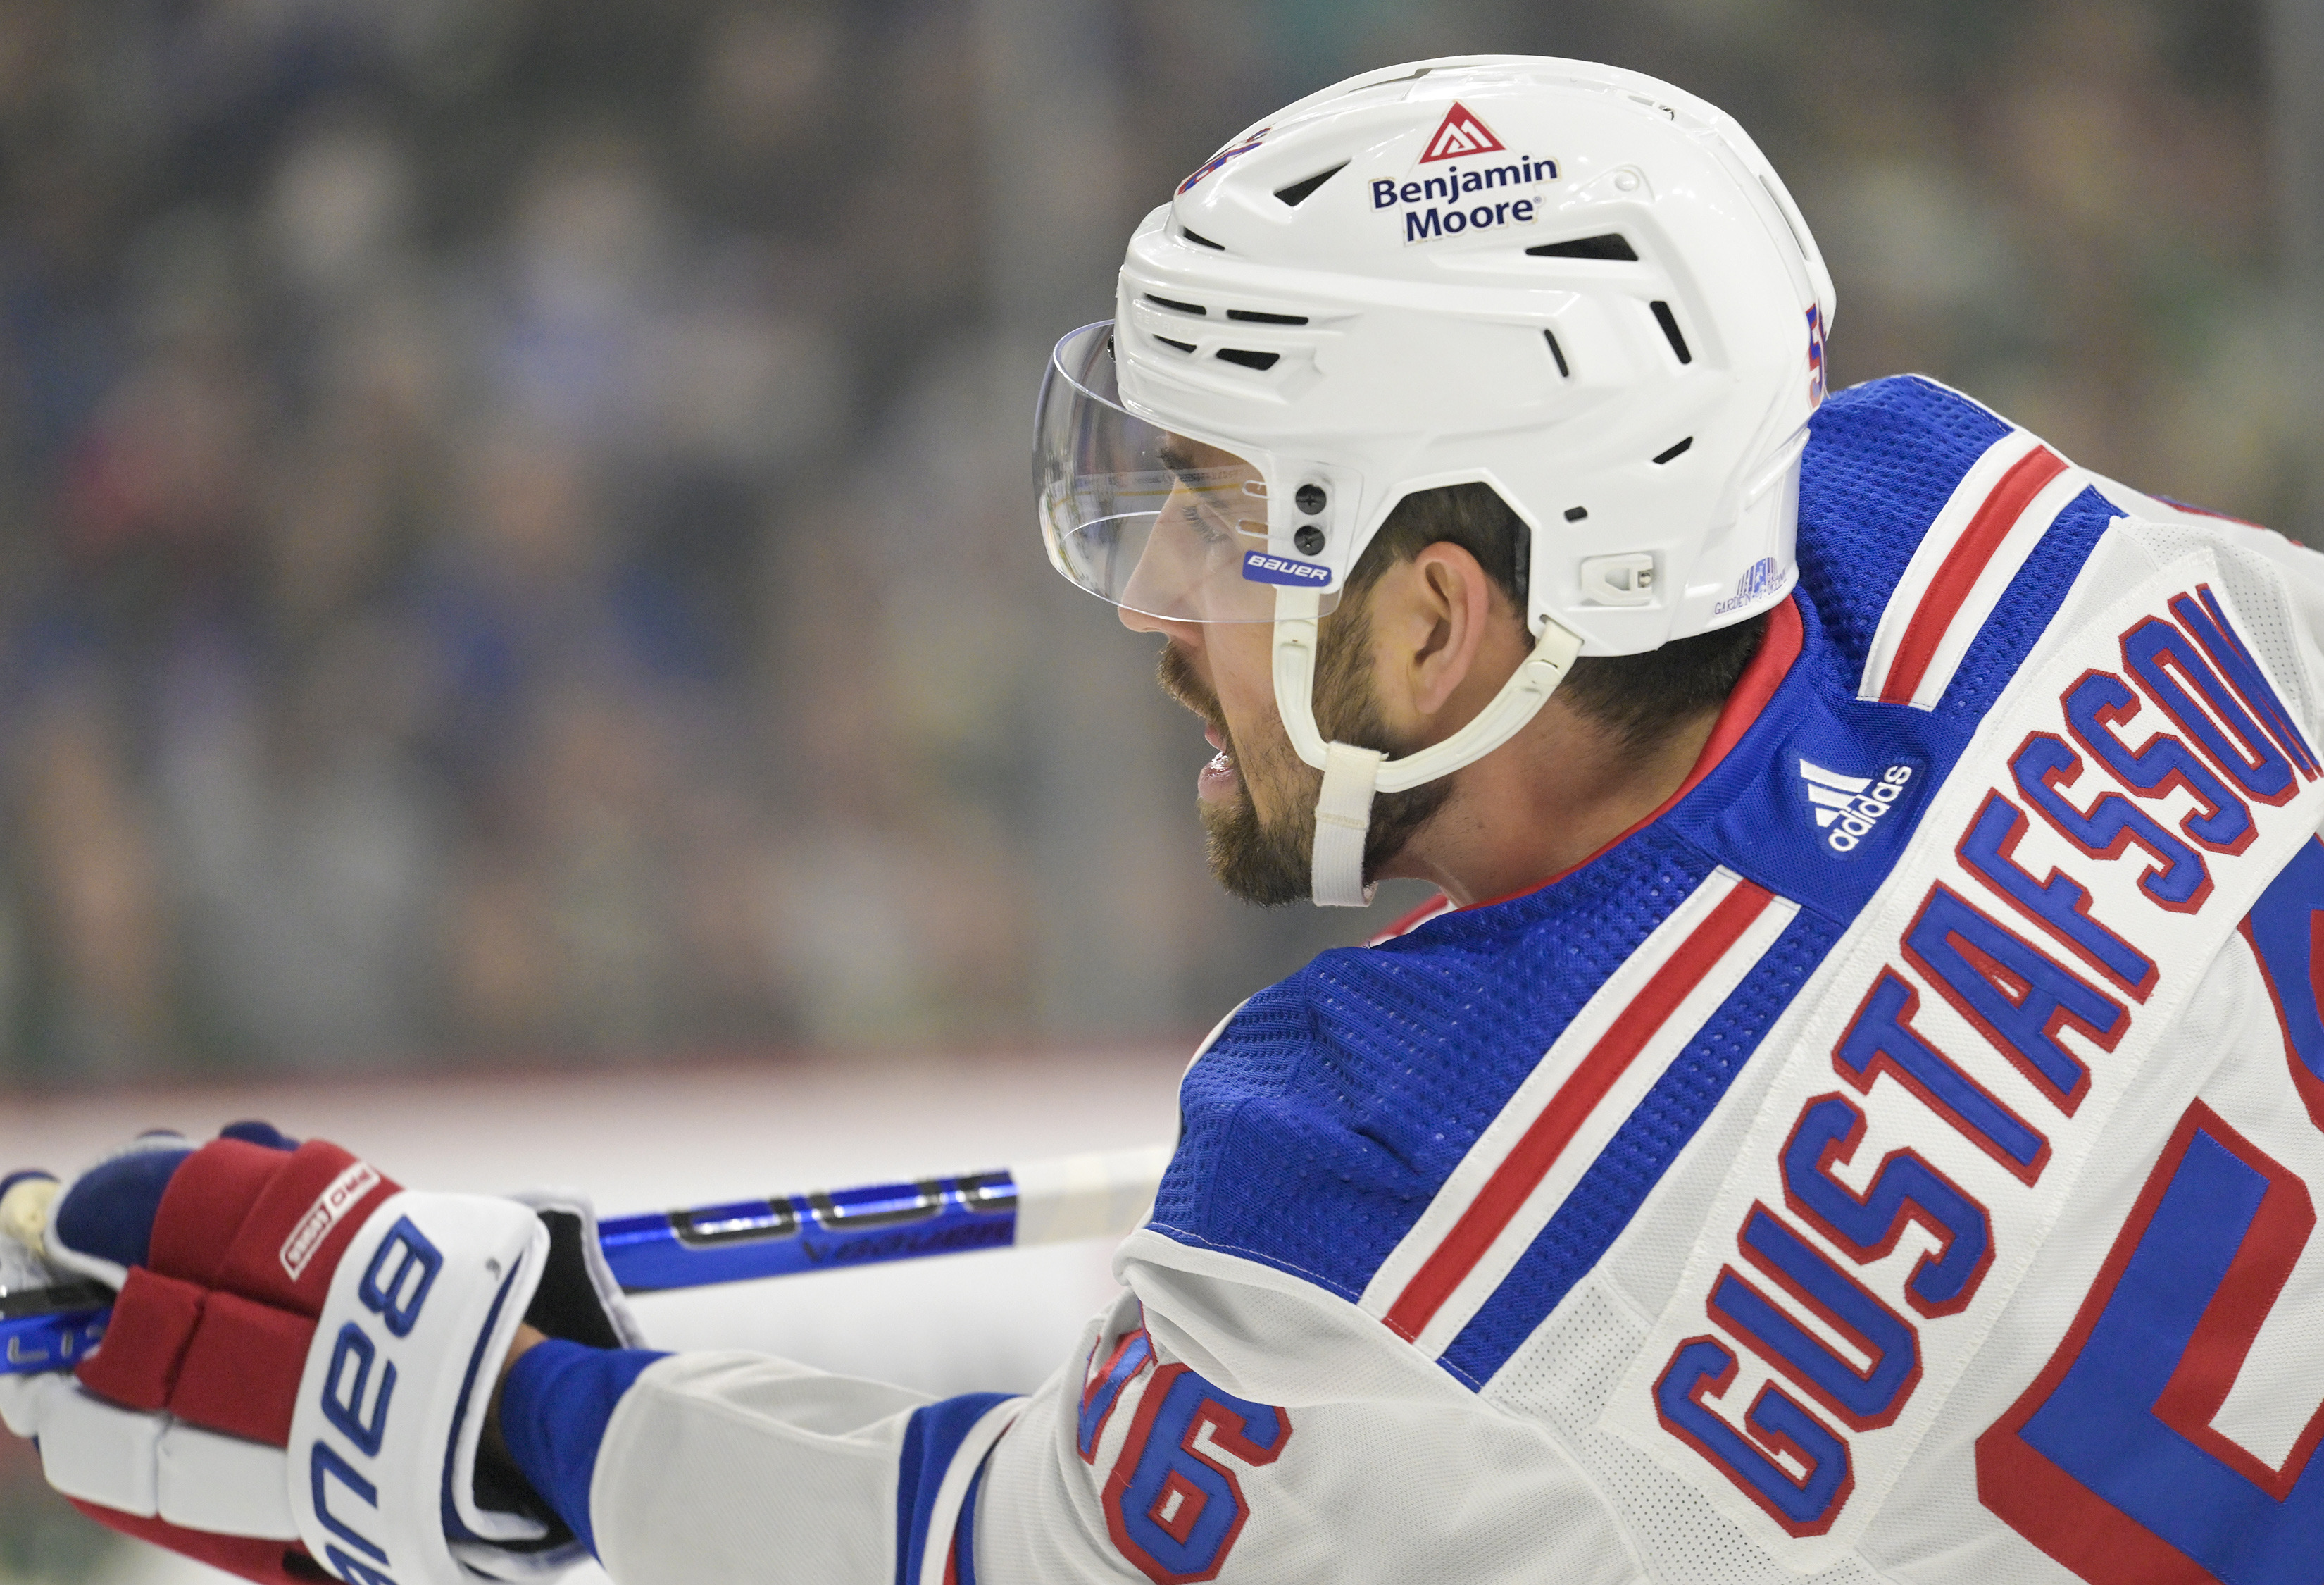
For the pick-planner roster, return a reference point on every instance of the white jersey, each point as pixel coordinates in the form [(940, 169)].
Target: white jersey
[(1893, 1161)]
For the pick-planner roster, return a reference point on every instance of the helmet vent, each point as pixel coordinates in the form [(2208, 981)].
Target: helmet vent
[(1609, 244), (1674, 450), (1297, 192), (1184, 308), (1252, 316), (1261, 361), (1558, 353), (1201, 241), (1669, 322), (1181, 346)]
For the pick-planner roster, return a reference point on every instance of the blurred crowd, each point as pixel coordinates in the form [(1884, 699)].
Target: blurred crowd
[(515, 536), (414, 415)]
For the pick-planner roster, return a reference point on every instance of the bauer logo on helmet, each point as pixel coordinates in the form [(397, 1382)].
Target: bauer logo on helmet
[(1258, 567)]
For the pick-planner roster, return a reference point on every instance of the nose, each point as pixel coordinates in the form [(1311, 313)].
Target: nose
[(1188, 633)]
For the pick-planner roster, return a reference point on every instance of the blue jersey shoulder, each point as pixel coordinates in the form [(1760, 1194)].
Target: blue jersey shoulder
[(1323, 1118), (1882, 459)]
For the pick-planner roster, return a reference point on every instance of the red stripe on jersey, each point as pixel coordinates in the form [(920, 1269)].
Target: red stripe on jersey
[(1529, 1161), (1771, 663), (1948, 590), (1440, 903)]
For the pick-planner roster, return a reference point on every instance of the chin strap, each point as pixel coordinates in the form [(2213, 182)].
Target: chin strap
[(1343, 819), (1352, 775)]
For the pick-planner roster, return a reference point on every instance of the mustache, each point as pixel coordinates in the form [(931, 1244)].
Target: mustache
[(1182, 682)]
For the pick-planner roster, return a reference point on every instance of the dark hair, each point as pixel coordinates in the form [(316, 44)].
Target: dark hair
[(1638, 698)]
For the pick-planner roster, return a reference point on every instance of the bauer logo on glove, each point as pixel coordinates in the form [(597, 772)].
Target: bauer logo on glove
[(296, 1369)]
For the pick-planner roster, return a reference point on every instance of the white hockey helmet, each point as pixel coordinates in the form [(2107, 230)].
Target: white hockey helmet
[(1578, 285)]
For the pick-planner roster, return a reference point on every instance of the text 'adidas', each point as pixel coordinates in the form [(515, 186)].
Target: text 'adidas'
[(1848, 806)]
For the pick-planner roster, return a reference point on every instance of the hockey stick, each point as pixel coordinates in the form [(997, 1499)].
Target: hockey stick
[(50, 1327)]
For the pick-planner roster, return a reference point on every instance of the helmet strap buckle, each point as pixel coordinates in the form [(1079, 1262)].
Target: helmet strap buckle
[(1343, 821)]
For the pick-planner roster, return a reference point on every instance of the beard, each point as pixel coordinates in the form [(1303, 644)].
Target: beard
[(1269, 859)]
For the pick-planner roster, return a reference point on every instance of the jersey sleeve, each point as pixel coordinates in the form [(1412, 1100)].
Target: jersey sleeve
[(1222, 1420), (1234, 1423), (736, 1466)]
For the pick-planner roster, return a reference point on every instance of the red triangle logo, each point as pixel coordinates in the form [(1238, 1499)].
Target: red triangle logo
[(1459, 134)]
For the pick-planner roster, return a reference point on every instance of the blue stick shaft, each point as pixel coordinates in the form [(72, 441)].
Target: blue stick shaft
[(52, 1339), (51, 1329), (786, 1233)]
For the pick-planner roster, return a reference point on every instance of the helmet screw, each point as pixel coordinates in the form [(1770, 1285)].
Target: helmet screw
[(1310, 498), (1310, 538)]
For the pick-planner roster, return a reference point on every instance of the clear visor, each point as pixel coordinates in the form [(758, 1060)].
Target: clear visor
[(1154, 521)]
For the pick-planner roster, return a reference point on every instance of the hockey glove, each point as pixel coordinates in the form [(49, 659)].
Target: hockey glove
[(301, 1357)]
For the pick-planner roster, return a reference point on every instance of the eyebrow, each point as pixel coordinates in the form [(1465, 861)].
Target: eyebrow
[(1191, 471)]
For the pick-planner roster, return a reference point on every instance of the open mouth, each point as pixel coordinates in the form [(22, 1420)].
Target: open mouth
[(1218, 780)]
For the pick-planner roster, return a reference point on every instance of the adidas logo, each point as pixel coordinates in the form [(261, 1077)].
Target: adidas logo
[(1846, 807)]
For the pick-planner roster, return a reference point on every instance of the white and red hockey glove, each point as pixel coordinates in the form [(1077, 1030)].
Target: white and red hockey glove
[(301, 1357)]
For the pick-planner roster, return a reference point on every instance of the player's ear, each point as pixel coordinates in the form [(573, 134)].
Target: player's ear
[(1430, 617)]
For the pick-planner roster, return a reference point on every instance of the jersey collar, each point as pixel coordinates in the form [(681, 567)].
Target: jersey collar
[(1770, 664)]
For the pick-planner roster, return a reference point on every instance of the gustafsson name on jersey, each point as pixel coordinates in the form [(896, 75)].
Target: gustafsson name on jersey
[(2143, 792), (1452, 201)]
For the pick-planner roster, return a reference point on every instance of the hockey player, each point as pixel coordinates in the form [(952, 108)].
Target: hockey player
[(1854, 1114)]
